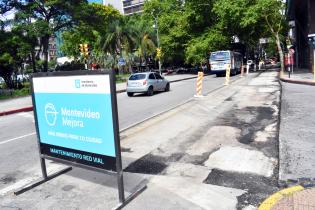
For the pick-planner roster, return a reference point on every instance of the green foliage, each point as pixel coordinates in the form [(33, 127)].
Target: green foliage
[(12, 53), (25, 91), (41, 19), (199, 48), (188, 30), (73, 66)]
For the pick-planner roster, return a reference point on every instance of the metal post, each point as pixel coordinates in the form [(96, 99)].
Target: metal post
[(85, 64), (247, 69), (314, 62), (43, 167), (242, 70), (120, 181)]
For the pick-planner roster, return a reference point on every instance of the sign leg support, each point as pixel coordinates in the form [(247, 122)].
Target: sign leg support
[(132, 196), (121, 191), (43, 167), (42, 181)]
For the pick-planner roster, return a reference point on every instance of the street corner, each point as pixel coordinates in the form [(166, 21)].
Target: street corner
[(295, 197)]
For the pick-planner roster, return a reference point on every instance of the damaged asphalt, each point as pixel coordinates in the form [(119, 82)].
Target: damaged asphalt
[(244, 123)]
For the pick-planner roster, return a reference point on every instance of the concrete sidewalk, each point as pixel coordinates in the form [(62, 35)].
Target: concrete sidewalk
[(296, 144), (299, 76), (22, 104)]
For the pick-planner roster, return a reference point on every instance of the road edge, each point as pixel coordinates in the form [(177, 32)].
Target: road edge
[(30, 108)]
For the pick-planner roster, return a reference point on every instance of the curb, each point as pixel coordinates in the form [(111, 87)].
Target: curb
[(300, 82), (30, 108), (25, 109), (268, 203)]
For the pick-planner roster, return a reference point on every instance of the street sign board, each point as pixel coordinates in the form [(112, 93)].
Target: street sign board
[(121, 62), (75, 118)]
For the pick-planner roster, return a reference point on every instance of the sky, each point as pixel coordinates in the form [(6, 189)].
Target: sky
[(96, 1)]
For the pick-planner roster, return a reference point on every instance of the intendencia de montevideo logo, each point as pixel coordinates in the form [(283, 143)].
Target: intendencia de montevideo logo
[(50, 114), (69, 117)]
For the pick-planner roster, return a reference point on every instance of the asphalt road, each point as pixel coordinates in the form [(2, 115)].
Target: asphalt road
[(18, 148), (139, 107)]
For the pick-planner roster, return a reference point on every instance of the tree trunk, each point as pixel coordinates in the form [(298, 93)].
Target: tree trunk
[(280, 51), (33, 59), (45, 51)]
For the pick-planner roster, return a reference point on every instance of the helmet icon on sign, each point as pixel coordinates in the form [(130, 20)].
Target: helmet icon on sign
[(50, 114)]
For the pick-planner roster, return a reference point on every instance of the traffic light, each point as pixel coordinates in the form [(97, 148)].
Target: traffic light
[(84, 50), (158, 52)]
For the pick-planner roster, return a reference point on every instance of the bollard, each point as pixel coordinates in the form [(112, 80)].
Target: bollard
[(199, 84), (247, 69), (242, 70), (227, 75)]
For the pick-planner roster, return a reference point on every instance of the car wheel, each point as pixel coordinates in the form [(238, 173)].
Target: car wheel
[(129, 94), (167, 87), (150, 91)]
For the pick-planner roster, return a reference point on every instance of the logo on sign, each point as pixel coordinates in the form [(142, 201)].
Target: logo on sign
[(77, 83), (50, 114)]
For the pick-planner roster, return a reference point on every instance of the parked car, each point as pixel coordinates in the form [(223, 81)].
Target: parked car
[(146, 82)]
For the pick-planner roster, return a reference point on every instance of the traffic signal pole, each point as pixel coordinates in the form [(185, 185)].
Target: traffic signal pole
[(84, 51), (158, 43)]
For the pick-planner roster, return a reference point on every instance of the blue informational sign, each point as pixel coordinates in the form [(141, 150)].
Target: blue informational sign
[(75, 118), (121, 62)]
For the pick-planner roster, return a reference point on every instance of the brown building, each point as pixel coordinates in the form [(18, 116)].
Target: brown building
[(301, 17)]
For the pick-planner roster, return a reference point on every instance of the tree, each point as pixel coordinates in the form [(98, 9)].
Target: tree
[(271, 14), (118, 38), (199, 48), (143, 36), (12, 54), (90, 30), (48, 16)]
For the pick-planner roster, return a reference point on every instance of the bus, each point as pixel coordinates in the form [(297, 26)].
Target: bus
[(220, 60)]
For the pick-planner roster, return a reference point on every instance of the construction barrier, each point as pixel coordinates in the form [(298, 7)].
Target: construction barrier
[(227, 75), (199, 84)]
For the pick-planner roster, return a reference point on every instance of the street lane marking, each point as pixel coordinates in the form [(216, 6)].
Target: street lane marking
[(17, 138), (17, 185), (53, 168)]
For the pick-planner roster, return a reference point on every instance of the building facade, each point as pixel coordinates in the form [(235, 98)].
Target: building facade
[(117, 4), (132, 6), (301, 17)]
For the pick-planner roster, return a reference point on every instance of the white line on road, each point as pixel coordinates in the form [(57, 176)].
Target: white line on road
[(17, 138), (52, 168)]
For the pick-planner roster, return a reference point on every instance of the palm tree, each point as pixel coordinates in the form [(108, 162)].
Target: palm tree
[(144, 41), (118, 38)]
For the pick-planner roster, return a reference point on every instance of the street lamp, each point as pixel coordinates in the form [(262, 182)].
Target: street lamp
[(156, 27)]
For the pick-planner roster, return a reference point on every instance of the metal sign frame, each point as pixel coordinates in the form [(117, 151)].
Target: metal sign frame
[(118, 164)]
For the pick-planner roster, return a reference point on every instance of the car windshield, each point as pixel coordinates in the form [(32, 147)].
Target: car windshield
[(220, 56), (137, 77)]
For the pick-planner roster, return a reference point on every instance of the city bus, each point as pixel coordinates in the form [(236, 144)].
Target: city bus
[(220, 60)]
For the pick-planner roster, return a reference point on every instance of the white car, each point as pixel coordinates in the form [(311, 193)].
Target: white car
[(146, 82)]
